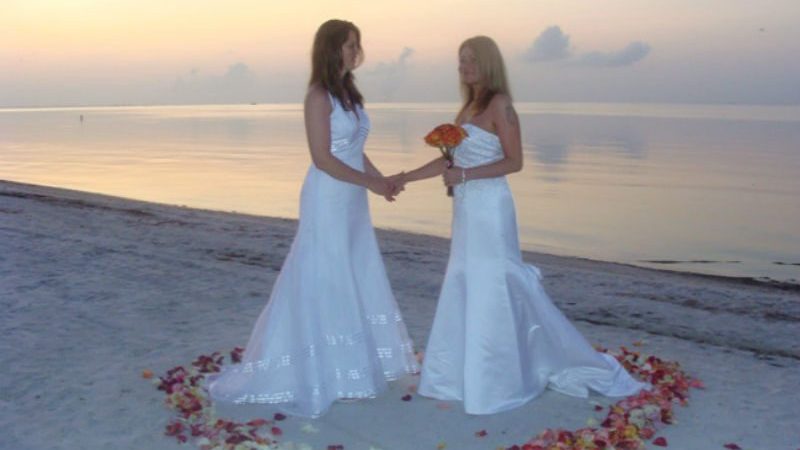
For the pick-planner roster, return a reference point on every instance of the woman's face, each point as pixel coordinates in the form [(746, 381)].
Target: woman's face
[(468, 67), (350, 52)]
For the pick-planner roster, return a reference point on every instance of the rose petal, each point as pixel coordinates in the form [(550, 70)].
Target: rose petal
[(660, 441), (257, 423), (697, 384)]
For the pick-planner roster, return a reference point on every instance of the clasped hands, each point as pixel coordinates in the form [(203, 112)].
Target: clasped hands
[(388, 187), (391, 186)]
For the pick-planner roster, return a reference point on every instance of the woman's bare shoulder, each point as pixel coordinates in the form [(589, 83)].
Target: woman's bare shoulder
[(317, 96), (500, 102)]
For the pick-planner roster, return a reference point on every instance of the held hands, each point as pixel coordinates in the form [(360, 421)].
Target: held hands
[(388, 187), (399, 181)]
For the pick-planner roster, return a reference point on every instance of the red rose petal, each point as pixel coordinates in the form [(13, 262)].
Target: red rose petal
[(660, 441), (481, 433), (276, 431), (279, 417), (697, 384), (406, 398), (257, 423), (732, 446)]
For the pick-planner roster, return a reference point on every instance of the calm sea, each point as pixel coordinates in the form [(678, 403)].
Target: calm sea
[(711, 189)]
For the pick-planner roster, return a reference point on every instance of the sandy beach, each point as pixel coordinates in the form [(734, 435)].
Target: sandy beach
[(96, 289)]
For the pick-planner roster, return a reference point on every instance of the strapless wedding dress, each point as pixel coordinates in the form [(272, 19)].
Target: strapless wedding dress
[(497, 339), (331, 328)]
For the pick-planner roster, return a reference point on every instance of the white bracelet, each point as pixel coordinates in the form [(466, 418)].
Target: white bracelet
[(463, 176)]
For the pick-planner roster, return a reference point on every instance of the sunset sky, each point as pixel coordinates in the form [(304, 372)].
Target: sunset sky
[(109, 52)]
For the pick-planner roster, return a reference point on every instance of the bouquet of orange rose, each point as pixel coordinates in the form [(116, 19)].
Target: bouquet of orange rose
[(446, 138)]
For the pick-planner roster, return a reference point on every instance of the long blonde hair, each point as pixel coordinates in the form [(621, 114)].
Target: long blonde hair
[(327, 61), (492, 71)]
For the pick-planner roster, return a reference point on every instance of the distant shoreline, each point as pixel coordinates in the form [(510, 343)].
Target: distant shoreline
[(530, 254), (789, 112)]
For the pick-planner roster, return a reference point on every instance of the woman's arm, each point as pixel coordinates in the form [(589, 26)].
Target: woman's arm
[(317, 111), (506, 125), (429, 170), (370, 168), (397, 184)]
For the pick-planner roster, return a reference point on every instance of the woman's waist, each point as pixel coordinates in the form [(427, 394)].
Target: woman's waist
[(348, 155), (484, 186), (469, 161), (355, 162)]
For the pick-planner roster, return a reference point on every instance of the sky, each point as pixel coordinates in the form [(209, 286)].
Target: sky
[(141, 52)]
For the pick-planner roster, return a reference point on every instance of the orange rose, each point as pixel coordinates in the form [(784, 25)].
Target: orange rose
[(446, 138)]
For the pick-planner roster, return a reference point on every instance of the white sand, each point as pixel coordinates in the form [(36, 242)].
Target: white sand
[(94, 289)]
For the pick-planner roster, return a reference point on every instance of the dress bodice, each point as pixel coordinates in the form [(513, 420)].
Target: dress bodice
[(349, 129), (479, 148)]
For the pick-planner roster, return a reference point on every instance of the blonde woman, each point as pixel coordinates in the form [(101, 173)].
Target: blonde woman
[(331, 329), (497, 339)]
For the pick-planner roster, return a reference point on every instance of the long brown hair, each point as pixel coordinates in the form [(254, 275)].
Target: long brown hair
[(327, 61), (492, 73)]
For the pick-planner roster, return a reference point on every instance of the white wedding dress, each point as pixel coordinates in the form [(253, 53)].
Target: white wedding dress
[(331, 328), (497, 339)]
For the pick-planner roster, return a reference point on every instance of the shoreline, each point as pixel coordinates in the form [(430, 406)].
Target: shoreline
[(746, 280), (597, 292), (95, 289)]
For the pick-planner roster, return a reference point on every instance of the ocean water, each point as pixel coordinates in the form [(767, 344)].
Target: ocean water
[(709, 189)]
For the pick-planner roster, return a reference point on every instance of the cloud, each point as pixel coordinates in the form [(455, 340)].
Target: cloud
[(238, 73), (387, 77), (551, 45), (631, 54), (237, 84), (392, 67), (407, 52)]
